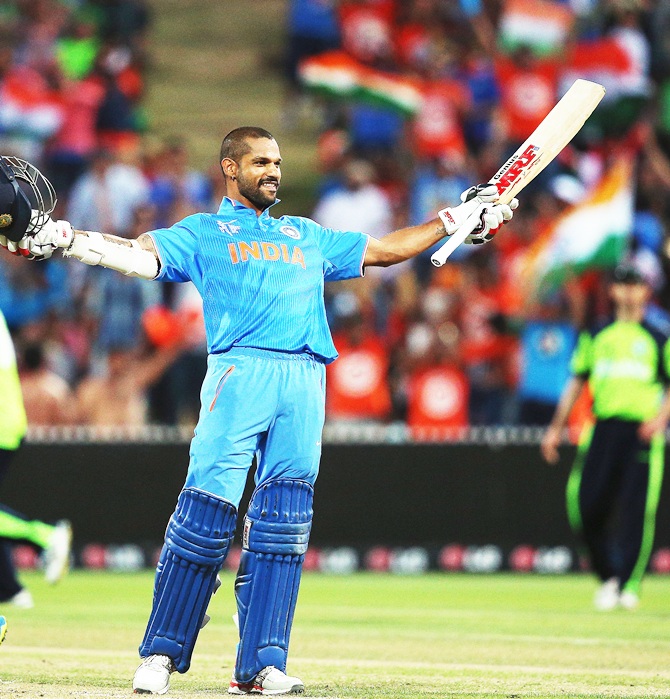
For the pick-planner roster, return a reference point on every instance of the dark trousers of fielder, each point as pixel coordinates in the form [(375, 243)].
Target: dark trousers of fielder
[(612, 499)]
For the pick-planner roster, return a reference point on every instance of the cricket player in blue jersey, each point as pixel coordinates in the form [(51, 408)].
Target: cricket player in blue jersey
[(262, 284)]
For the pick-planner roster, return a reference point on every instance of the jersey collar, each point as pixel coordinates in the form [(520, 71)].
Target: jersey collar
[(227, 202)]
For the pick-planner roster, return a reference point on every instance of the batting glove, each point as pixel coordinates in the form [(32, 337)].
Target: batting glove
[(41, 246), (478, 199)]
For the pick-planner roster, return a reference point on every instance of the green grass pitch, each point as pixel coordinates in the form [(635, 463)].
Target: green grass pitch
[(364, 635)]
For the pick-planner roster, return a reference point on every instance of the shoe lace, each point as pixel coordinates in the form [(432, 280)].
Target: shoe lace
[(262, 675), (161, 661)]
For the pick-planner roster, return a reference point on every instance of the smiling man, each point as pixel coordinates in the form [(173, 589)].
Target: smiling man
[(262, 284)]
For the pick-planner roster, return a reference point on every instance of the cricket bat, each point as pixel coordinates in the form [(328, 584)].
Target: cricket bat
[(557, 129)]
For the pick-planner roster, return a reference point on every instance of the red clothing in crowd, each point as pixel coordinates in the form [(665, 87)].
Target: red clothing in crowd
[(358, 385), (527, 94), (437, 402), (367, 28), (437, 128)]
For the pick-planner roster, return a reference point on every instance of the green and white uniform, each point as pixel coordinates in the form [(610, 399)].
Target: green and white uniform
[(13, 425), (616, 476)]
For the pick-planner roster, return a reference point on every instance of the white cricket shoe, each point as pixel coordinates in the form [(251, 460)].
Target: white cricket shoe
[(628, 600), (269, 681), (22, 599), (607, 596), (153, 675), (57, 554)]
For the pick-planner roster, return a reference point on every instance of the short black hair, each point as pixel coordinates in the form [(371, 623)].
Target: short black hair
[(235, 144)]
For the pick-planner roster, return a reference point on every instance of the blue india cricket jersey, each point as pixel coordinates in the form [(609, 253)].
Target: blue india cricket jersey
[(261, 278)]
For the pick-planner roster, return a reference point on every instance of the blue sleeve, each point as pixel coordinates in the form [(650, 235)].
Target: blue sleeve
[(176, 248), (344, 253)]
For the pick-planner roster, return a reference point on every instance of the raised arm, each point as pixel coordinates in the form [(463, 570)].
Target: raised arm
[(134, 258), (406, 243)]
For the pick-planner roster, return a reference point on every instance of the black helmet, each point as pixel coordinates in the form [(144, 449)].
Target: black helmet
[(23, 190)]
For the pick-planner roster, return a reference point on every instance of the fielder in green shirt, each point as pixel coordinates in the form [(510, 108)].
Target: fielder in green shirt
[(53, 540), (615, 484)]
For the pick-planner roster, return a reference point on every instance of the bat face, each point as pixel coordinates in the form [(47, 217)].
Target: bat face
[(516, 168), (543, 145)]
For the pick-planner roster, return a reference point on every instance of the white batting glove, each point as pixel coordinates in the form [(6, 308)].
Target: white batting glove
[(478, 199), (41, 246)]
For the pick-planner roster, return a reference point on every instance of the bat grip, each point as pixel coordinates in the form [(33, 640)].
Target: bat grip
[(439, 257)]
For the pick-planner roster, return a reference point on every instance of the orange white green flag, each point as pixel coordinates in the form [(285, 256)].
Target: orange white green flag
[(594, 234), (543, 25), (337, 74)]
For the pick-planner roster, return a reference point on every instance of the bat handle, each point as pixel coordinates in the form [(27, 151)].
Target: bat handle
[(440, 256)]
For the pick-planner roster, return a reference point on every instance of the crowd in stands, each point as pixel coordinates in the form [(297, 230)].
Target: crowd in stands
[(457, 85)]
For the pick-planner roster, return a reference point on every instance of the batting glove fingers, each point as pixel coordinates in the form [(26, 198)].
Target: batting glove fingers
[(485, 192), (492, 218), (473, 199)]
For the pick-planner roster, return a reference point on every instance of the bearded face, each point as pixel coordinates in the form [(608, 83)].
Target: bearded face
[(259, 173)]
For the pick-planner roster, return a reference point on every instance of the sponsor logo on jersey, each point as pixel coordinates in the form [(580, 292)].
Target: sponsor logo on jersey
[(228, 227), (291, 232), (270, 252)]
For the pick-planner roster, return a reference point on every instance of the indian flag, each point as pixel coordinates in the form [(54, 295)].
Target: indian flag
[(591, 235), (541, 24), (337, 74)]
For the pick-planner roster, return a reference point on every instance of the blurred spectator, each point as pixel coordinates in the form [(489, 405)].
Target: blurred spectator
[(32, 292), (177, 190), (478, 74), (547, 340), (76, 140), (367, 30), (78, 45), (435, 386), (358, 388), (437, 128), (118, 395), (360, 205), (488, 349), (528, 91), (118, 302), (47, 397), (117, 122), (188, 372), (107, 195)]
